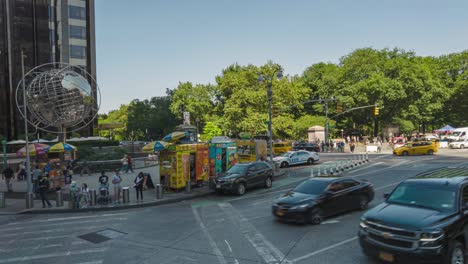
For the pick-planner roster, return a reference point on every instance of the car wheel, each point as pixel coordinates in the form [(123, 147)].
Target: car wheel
[(268, 182), (310, 161), (456, 253), (405, 153), (284, 164), (430, 152), (241, 189), (363, 202), (316, 216), (462, 147)]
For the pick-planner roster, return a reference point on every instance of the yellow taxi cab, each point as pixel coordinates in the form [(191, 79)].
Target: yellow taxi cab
[(416, 148), (280, 148)]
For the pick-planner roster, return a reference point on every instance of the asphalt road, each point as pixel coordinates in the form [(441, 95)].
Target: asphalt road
[(216, 229)]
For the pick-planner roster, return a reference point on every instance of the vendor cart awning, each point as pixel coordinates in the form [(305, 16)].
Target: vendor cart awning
[(156, 146), (60, 147), (34, 149), (175, 136)]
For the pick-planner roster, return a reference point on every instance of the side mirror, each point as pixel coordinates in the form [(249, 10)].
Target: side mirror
[(386, 195)]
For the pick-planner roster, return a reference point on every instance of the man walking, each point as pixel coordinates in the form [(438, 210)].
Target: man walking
[(8, 174), (36, 175)]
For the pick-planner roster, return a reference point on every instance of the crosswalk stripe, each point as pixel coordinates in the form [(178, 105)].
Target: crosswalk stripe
[(37, 226), (52, 255)]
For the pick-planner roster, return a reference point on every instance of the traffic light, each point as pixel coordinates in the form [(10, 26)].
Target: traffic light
[(339, 107), (376, 110)]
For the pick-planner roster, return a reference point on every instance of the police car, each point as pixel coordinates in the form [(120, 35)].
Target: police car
[(296, 157)]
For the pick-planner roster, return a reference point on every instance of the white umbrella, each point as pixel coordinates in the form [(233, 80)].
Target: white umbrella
[(15, 142), (73, 140), (40, 140)]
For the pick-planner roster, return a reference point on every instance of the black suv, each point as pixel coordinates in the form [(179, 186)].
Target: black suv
[(424, 219), (307, 146), (242, 176)]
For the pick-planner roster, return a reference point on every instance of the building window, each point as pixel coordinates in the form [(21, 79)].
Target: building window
[(77, 52), (51, 13), (77, 32), (77, 12)]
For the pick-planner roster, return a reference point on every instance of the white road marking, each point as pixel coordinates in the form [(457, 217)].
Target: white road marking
[(37, 226), (212, 243), (63, 219), (92, 262), (52, 255), (262, 201), (53, 230), (38, 238), (264, 248), (388, 185), (331, 222), (229, 246), (324, 249), (375, 164)]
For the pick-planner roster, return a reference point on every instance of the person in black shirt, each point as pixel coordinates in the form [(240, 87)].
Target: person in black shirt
[(8, 174), (43, 189)]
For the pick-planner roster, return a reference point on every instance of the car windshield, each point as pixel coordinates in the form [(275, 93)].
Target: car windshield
[(314, 187), (457, 133), (287, 154), (238, 168), (417, 195), (460, 140)]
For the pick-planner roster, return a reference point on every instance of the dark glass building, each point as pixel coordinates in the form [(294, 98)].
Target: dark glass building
[(46, 31)]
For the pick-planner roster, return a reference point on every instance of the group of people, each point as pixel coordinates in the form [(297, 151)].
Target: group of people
[(127, 163), (117, 184)]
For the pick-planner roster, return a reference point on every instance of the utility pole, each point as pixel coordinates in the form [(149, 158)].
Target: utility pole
[(325, 102), (25, 109)]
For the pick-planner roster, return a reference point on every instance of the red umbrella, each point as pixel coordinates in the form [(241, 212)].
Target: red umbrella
[(34, 149)]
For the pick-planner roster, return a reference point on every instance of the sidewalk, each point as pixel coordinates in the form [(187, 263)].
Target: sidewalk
[(16, 203)]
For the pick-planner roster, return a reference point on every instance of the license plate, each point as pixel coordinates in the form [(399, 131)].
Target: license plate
[(279, 213), (386, 256), (218, 185)]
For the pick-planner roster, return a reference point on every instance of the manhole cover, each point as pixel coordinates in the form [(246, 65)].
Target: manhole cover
[(102, 236)]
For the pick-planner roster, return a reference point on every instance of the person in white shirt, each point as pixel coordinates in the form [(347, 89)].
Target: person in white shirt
[(116, 180)]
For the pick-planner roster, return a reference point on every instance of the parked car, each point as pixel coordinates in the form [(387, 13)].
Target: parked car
[(424, 219), (307, 146), (320, 197), (281, 147), (296, 157), (461, 144), (243, 176), (416, 148)]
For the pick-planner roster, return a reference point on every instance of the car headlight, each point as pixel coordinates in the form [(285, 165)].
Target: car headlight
[(431, 239), (302, 206), (363, 224)]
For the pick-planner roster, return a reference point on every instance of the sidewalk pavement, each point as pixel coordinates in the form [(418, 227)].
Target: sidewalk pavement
[(16, 203)]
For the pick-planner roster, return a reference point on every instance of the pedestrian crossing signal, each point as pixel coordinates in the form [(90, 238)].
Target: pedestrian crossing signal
[(376, 110)]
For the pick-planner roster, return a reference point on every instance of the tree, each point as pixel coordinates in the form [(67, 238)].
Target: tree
[(209, 131)]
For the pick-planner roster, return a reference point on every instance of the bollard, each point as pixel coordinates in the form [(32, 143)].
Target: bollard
[(367, 156), (187, 186), (318, 173), (29, 200), (71, 201), (92, 197), (159, 191), (311, 172), (2, 200), (58, 199), (125, 194)]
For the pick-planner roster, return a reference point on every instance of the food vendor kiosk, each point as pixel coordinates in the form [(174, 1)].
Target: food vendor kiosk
[(251, 150)]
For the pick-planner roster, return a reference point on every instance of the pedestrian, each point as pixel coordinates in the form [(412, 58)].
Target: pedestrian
[(124, 161), (352, 146), (85, 169), (8, 174), (21, 172), (75, 195), (84, 196), (36, 175), (139, 180), (129, 163), (43, 189), (379, 145), (323, 146), (116, 180)]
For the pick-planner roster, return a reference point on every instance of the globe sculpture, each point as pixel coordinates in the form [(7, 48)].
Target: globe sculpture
[(58, 95)]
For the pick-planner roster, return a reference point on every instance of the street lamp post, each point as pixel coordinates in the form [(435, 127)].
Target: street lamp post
[(28, 162), (5, 163), (269, 79)]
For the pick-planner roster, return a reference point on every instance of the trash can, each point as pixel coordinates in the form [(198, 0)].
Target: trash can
[(29, 200), (58, 199), (2, 200), (159, 191), (92, 197), (126, 194)]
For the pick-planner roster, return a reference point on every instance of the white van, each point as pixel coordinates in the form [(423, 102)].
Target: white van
[(459, 133)]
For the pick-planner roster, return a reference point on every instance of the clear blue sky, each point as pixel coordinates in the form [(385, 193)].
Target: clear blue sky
[(146, 46)]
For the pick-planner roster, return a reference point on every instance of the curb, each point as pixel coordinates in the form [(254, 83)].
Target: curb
[(114, 208)]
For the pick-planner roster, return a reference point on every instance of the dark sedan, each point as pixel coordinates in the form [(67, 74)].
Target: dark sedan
[(307, 146), (320, 197), (242, 176)]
